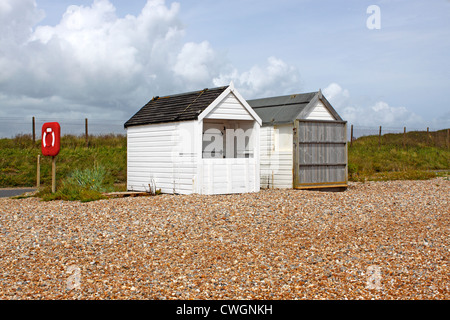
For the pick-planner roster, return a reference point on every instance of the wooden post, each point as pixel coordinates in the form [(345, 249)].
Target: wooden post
[(351, 135), (53, 174), (295, 151), (86, 132), (379, 138), (346, 157), (38, 171), (34, 130)]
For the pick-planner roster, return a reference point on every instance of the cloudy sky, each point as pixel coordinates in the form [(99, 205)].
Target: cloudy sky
[(67, 60)]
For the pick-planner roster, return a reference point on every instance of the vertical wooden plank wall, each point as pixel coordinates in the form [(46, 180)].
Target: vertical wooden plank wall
[(322, 154)]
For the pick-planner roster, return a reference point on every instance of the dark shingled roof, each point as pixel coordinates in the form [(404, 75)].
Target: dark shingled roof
[(179, 107), (285, 109)]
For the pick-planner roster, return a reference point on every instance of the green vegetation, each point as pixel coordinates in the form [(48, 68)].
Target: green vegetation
[(85, 173), (103, 161), (84, 185), (416, 156)]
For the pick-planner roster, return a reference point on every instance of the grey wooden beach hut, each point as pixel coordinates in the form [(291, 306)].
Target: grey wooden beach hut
[(303, 142)]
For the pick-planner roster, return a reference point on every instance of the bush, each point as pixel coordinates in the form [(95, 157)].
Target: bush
[(88, 179), (83, 185)]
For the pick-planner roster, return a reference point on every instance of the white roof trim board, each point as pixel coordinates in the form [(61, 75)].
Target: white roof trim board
[(223, 95)]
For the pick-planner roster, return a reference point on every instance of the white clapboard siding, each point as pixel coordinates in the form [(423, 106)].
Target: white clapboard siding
[(267, 147), (276, 157), (162, 154), (229, 108), (320, 112)]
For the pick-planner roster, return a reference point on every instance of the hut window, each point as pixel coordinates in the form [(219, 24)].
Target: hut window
[(213, 141), (228, 139)]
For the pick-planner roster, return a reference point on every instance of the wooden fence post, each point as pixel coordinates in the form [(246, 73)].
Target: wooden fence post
[(86, 132), (38, 172), (351, 136), (379, 139)]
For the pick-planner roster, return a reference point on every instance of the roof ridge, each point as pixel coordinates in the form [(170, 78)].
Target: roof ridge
[(279, 103), (286, 95), (190, 92), (201, 93)]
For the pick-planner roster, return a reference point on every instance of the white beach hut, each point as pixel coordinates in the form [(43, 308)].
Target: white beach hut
[(204, 142)]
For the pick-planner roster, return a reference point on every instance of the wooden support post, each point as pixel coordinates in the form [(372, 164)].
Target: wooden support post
[(53, 174), (86, 132), (296, 159), (38, 172), (34, 130), (346, 156), (379, 138), (351, 135), (272, 180)]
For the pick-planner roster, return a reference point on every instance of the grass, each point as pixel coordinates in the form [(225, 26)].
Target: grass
[(418, 156), (85, 173), (83, 185), (105, 157)]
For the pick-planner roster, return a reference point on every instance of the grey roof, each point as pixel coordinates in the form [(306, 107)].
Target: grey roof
[(179, 107), (285, 109)]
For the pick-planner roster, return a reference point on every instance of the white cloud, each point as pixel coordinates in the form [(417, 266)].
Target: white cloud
[(94, 62), (100, 54), (336, 93), (91, 54), (372, 115), (16, 19), (275, 78), (194, 63)]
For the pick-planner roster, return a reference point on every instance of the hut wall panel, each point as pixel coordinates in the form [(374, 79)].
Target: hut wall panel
[(163, 154), (322, 156), (276, 156)]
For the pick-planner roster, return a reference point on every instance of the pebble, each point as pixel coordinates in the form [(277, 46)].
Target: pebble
[(377, 240)]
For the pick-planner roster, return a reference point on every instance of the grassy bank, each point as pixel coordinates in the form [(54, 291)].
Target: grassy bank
[(18, 158), (416, 157)]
